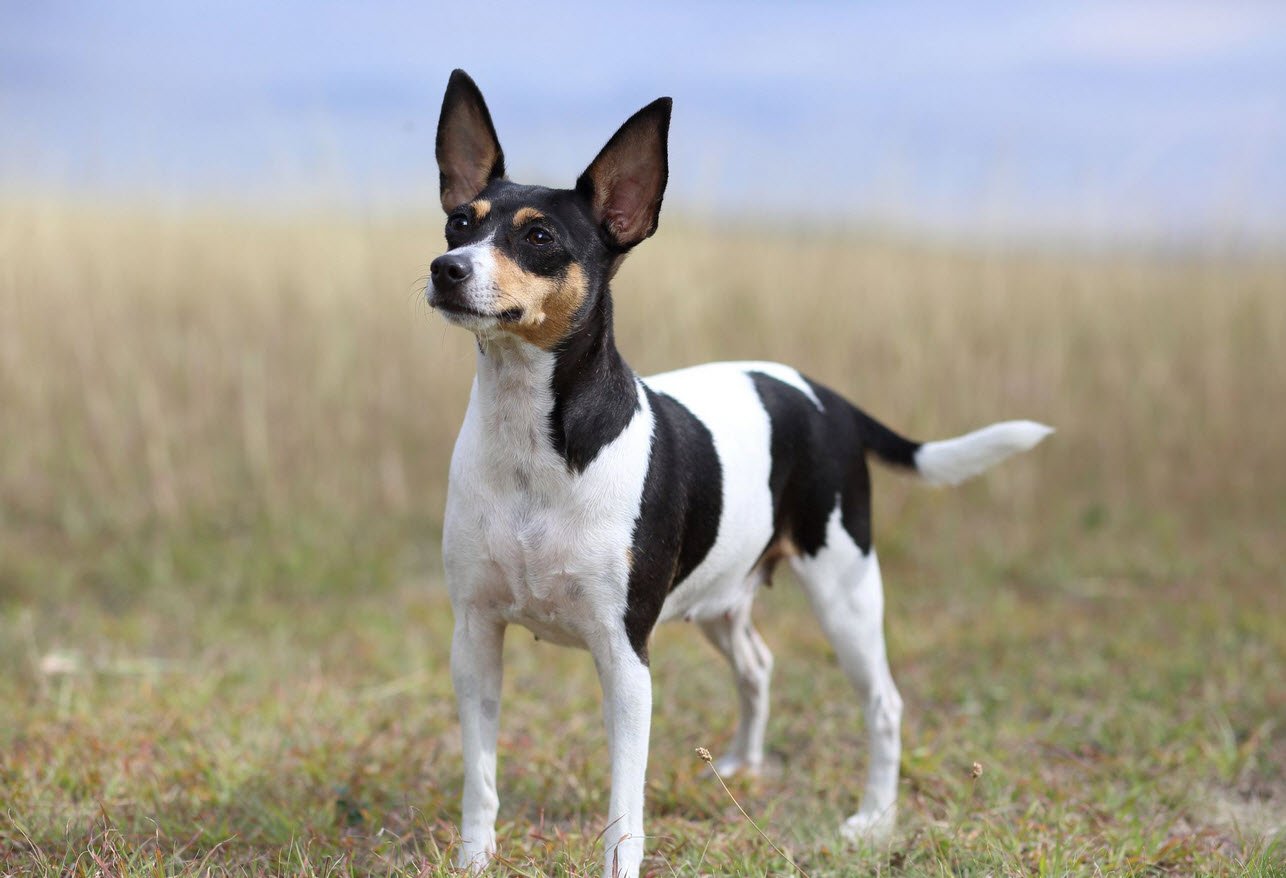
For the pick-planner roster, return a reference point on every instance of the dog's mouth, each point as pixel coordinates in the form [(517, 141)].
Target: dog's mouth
[(456, 309)]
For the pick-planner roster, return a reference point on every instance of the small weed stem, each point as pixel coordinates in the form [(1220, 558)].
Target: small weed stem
[(709, 760)]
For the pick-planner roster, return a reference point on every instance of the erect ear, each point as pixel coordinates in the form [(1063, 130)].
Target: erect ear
[(625, 183), (469, 154)]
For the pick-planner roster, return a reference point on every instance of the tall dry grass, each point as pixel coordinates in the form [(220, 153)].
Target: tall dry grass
[(161, 367)]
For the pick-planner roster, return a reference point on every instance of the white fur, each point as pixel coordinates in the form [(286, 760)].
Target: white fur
[(951, 461), (528, 541), (734, 635), (723, 397), (727, 371), (847, 595), (480, 292)]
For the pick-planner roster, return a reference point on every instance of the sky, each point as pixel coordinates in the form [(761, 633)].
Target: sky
[(1157, 120)]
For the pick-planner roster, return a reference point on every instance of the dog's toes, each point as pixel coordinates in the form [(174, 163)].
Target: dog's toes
[(731, 764), (728, 764), (473, 860), (870, 827)]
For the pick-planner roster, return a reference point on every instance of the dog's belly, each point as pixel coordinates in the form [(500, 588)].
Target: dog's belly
[(710, 596)]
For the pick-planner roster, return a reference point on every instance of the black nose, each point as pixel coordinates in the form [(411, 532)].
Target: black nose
[(448, 271)]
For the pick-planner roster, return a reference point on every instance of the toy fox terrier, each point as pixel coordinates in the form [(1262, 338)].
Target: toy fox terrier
[(589, 504)]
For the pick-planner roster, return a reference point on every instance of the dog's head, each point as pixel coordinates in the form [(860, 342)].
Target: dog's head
[(532, 261)]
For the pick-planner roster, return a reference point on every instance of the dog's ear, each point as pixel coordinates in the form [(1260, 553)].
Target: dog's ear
[(625, 183), (469, 154)]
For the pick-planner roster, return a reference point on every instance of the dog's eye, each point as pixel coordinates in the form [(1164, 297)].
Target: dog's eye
[(539, 236), (458, 223)]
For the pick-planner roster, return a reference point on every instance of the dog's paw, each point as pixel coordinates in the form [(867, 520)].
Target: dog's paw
[(473, 859), (870, 827), (730, 764)]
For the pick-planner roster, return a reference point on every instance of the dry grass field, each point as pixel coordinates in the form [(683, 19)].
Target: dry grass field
[(224, 635)]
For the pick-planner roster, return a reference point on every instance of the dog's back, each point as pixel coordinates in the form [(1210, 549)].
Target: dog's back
[(782, 460)]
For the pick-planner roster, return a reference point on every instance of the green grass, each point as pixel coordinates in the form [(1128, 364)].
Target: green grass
[(224, 635), (287, 708)]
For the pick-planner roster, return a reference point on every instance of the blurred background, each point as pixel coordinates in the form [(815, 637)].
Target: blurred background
[(1155, 120), (226, 416)]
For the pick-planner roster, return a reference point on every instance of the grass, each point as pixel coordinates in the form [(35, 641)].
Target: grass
[(224, 637)]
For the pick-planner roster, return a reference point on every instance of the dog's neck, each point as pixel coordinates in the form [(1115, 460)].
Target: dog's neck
[(573, 400)]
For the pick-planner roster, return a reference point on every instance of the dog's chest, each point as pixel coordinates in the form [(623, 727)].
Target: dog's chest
[(542, 555), (530, 541)]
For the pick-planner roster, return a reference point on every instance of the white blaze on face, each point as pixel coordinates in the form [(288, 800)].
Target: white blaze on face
[(480, 291)]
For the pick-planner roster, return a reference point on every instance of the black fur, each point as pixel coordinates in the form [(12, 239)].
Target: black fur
[(888, 446), (678, 519), (595, 394), (818, 456)]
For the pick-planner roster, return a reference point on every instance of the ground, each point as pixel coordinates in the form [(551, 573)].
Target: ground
[(224, 633)]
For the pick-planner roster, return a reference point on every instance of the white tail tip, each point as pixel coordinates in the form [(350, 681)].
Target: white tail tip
[(951, 461)]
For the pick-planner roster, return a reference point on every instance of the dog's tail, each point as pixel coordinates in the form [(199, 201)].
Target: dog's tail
[(951, 461)]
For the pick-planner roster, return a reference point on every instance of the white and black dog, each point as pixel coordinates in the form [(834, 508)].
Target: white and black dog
[(588, 504)]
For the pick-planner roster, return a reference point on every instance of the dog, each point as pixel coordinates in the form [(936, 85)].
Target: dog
[(588, 504)]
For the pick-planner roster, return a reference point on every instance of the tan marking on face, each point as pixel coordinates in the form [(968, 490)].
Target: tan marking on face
[(548, 303), (526, 215), (480, 210)]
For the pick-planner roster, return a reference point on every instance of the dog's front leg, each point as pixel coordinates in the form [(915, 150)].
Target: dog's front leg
[(627, 713), (476, 657)]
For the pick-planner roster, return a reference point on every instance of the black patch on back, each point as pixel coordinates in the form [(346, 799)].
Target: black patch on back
[(817, 457), (678, 518)]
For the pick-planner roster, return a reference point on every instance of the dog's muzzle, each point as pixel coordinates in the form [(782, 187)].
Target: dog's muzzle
[(449, 272)]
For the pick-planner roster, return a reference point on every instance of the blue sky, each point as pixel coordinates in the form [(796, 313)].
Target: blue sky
[(1154, 119)]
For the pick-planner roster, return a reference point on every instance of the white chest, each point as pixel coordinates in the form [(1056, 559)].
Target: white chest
[(527, 539)]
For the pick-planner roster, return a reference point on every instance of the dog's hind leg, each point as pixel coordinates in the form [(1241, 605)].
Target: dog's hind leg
[(734, 635), (844, 587)]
